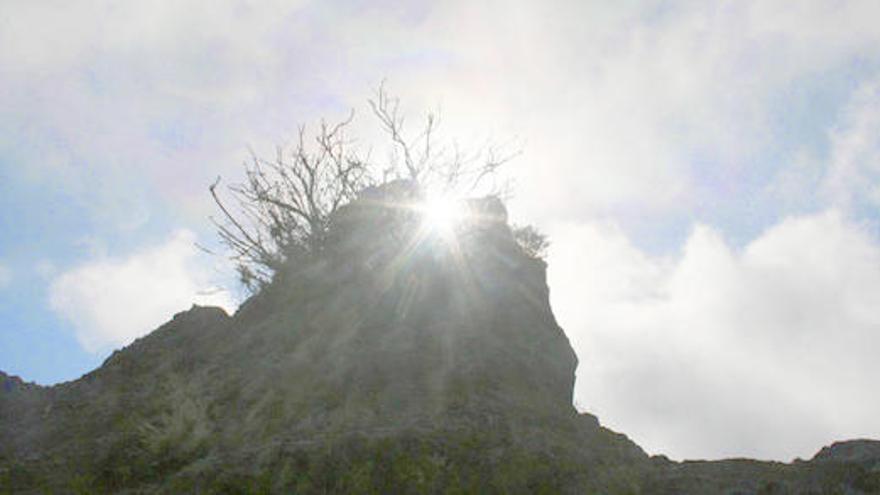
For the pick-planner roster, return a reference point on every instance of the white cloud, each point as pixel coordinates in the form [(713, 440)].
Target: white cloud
[(654, 107), (112, 301), (768, 351), (165, 86), (651, 103), (853, 177)]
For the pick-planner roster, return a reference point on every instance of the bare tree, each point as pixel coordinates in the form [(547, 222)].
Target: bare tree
[(282, 210), (284, 204), (442, 168)]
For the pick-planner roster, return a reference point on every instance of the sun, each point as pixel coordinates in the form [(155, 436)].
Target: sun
[(442, 215)]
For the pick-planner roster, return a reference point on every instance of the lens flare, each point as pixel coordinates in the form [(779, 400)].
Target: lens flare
[(442, 215)]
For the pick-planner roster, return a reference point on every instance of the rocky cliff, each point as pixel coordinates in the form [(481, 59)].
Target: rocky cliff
[(398, 360)]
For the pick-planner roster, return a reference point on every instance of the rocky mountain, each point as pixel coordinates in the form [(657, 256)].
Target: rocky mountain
[(398, 360)]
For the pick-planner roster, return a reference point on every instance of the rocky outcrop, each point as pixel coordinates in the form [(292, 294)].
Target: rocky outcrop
[(10, 384), (399, 360), (866, 452), (852, 468)]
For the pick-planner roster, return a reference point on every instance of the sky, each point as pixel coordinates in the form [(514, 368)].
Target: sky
[(708, 174)]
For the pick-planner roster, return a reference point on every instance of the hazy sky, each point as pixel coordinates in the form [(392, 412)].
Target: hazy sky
[(708, 173)]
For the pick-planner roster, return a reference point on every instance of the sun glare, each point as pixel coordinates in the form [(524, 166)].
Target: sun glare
[(442, 215)]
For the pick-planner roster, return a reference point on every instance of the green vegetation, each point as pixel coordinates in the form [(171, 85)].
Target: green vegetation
[(454, 464)]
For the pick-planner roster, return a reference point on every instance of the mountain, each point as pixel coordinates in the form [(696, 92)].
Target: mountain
[(400, 359)]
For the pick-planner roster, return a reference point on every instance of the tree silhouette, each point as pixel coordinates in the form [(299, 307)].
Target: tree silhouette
[(281, 212), (284, 204)]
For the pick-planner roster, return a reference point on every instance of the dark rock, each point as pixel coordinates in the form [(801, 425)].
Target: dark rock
[(394, 362), (859, 451)]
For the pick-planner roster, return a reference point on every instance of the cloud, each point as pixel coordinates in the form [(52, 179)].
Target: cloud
[(164, 86), (654, 106), (853, 177), (112, 301), (765, 351), (657, 104)]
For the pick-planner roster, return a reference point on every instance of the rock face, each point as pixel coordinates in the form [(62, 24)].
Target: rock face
[(400, 360), (866, 452)]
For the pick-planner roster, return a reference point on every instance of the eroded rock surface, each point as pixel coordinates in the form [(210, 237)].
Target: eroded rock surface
[(399, 360)]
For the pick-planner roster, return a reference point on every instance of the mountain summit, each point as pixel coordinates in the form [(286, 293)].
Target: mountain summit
[(405, 357)]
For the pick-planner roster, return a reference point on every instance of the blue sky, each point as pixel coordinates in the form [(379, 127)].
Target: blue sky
[(707, 172)]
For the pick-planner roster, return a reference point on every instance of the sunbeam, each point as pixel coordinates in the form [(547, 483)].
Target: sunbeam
[(443, 215)]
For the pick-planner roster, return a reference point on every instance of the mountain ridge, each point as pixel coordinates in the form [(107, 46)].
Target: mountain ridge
[(399, 360)]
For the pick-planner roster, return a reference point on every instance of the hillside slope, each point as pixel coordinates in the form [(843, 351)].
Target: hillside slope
[(400, 360)]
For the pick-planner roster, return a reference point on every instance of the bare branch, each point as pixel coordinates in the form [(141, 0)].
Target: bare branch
[(284, 204)]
